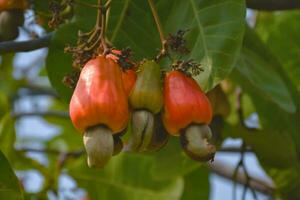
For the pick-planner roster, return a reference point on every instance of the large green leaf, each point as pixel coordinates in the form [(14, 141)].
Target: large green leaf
[(125, 177), (9, 183), (172, 162), (196, 185), (287, 181), (214, 37), (281, 33), (264, 79)]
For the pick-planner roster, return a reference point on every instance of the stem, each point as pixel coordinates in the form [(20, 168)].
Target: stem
[(86, 4), (107, 7), (225, 170), (99, 14), (59, 114), (25, 46), (273, 5), (159, 27), (103, 27), (107, 4)]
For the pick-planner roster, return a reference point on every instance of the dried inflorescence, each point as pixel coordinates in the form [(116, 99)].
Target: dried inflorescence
[(59, 12), (189, 67), (177, 43)]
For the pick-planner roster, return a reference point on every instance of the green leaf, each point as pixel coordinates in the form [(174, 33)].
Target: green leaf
[(260, 74), (7, 135), (281, 33), (264, 79), (125, 177), (4, 104), (9, 183), (172, 162), (287, 181), (196, 185), (215, 34), (263, 143)]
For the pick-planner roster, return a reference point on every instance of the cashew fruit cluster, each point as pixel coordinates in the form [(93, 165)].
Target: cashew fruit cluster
[(109, 100), (11, 17)]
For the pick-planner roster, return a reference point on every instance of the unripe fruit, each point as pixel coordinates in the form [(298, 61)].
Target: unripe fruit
[(148, 133), (147, 92), (142, 129)]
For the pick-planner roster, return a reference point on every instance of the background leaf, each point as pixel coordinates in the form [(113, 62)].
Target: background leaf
[(118, 180), (171, 162), (7, 135), (9, 183), (264, 79), (196, 185), (283, 28)]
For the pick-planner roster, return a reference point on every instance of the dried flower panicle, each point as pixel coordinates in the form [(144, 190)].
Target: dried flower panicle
[(189, 67), (177, 43)]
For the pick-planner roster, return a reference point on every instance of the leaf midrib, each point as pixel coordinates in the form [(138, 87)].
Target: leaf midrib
[(200, 27)]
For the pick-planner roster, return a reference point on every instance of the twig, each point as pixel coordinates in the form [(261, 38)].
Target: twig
[(242, 165), (234, 150), (102, 12), (159, 28), (25, 46), (107, 4), (39, 90), (63, 155), (272, 5), (47, 151), (226, 171), (52, 113), (86, 4)]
